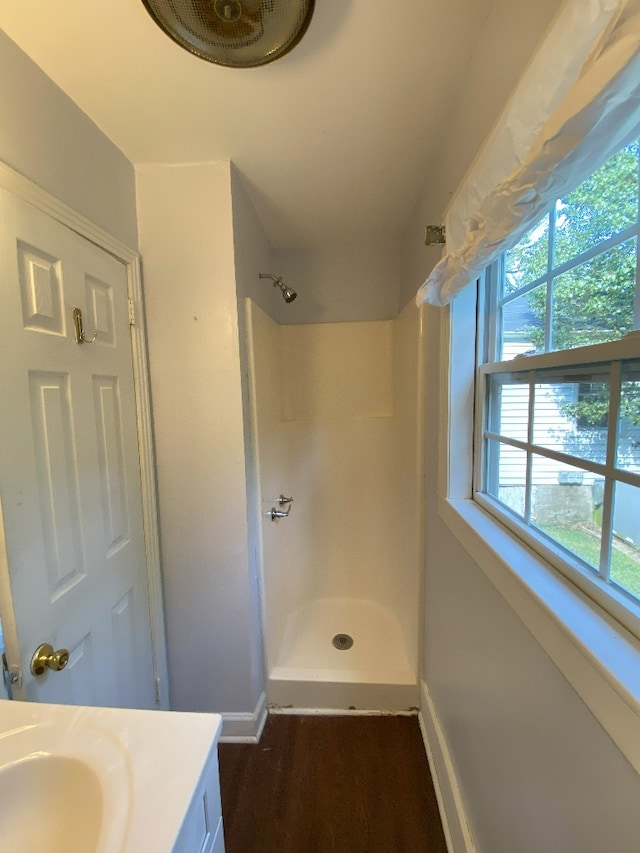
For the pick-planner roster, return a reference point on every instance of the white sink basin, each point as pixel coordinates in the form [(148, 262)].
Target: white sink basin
[(64, 791), (107, 780), (52, 799)]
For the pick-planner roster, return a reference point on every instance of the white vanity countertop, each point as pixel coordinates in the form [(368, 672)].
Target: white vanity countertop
[(157, 757)]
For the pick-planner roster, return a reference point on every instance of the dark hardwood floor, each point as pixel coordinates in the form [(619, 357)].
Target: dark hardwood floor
[(351, 784)]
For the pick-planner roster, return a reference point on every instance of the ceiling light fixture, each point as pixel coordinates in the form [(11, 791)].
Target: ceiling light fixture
[(235, 33)]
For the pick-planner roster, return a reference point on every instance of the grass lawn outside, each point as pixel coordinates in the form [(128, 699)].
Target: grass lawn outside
[(625, 558)]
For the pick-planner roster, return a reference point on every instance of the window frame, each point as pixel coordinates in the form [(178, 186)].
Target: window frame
[(610, 597), (599, 658), (593, 577)]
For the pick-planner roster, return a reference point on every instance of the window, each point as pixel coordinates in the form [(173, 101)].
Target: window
[(590, 414), (559, 386)]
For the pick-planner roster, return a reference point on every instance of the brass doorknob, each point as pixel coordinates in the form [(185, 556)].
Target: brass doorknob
[(45, 658)]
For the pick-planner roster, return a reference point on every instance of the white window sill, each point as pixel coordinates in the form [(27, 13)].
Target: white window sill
[(598, 657)]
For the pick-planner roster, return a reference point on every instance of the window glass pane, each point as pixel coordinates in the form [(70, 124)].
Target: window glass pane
[(571, 281), (563, 505), (570, 414), (629, 433), (625, 550), (593, 302), (507, 475), (528, 260), (509, 410), (603, 205), (523, 325)]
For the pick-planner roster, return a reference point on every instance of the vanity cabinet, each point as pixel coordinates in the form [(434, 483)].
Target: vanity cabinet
[(202, 830)]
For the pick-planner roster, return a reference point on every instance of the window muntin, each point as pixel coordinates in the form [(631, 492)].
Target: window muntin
[(527, 261), (555, 514), (568, 411), (578, 487), (628, 452), (593, 302), (581, 224), (625, 563), (572, 279), (560, 405)]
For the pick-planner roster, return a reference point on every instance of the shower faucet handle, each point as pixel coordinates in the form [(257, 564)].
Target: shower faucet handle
[(278, 513), (282, 500)]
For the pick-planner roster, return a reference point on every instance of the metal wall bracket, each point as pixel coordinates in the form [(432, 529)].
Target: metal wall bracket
[(435, 234)]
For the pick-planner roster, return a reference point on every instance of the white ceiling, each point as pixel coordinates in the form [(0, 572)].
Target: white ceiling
[(334, 139)]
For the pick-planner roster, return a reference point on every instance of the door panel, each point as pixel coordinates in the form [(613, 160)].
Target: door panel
[(69, 464), (56, 480), (41, 290), (106, 399)]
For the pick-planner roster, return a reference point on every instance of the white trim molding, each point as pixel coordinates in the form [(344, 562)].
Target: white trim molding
[(146, 452), (25, 189), (238, 727), (450, 801)]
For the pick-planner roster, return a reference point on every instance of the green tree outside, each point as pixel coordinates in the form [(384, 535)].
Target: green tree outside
[(593, 302)]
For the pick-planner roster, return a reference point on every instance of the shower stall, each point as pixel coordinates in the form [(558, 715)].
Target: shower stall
[(334, 427)]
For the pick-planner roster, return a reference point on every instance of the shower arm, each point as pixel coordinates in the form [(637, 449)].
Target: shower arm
[(277, 280), (288, 294)]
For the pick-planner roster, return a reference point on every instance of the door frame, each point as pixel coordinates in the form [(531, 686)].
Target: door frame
[(25, 189)]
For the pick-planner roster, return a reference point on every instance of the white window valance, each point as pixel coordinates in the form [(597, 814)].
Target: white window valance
[(575, 106)]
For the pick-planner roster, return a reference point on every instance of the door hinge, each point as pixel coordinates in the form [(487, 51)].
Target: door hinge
[(12, 676), (156, 689), (132, 312)]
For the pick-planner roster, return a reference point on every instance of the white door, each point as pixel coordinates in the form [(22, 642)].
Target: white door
[(69, 465)]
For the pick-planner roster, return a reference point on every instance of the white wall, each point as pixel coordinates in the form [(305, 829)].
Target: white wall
[(502, 49), (334, 433), (340, 282), (408, 540), (188, 260), (340, 435), (252, 251), (44, 136), (283, 580), (527, 752), (252, 255), (536, 770), (186, 240)]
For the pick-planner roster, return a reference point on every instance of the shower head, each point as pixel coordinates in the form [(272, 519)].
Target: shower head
[(287, 293)]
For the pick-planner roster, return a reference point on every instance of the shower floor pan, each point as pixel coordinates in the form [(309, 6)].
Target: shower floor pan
[(375, 673)]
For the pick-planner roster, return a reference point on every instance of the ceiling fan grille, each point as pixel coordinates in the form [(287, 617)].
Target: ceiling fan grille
[(236, 33)]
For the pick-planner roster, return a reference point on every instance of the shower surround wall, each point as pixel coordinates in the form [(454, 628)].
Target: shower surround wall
[(331, 431)]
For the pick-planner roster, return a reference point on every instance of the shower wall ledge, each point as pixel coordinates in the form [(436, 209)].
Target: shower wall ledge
[(389, 677)]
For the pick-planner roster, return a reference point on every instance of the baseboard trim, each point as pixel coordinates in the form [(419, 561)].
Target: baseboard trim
[(450, 801), (244, 728)]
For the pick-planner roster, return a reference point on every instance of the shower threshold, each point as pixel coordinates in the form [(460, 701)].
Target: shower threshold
[(317, 689)]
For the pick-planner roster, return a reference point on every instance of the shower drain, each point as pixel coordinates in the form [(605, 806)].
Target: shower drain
[(342, 642)]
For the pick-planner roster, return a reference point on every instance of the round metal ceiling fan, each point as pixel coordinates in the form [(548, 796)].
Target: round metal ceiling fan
[(236, 33)]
